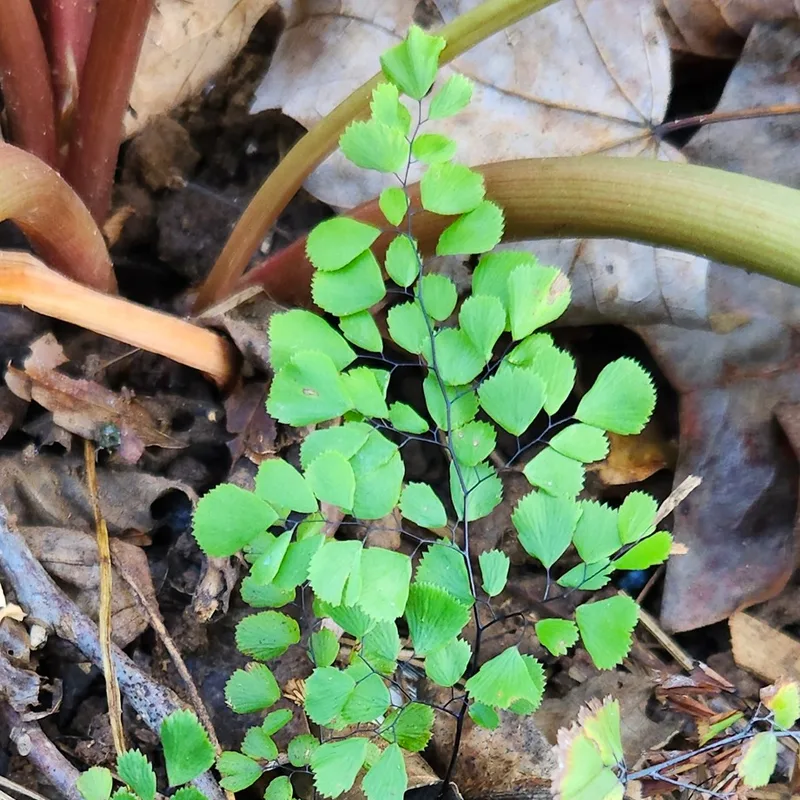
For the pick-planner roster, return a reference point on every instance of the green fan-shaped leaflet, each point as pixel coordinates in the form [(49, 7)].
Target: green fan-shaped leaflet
[(606, 627), (504, 680), (371, 144), (412, 65), (433, 148), (280, 484), (346, 439), (759, 759), (484, 716), (270, 596), (301, 749), (783, 700), (252, 689), (581, 442), (334, 243), (393, 203), (385, 592), (458, 360), (583, 774), (494, 571), (352, 619), (295, 330), (276, 720), (434, 617), (451, 189), (526, 705), (636, 517), (408, 329), (360, 328), (537, 296), (331, 567), (136, 772), (438, 295), (387, 779), (512, 398), (419, 503), (307, 390), (228, 518), (555, 474), (411, 727), (380, 647), (484, 490), (444, 566), (476, 232), (387, 108), (473, 442), (557, 635), (482, 318), (323, 647), (332, 479), (279, 788), (545, 525), (452, 97), (621, 399), (461, 400), (588, 577), (555, 367), (351, 289), (266, 566), (367, 391), (492, 273), (327, 691), (266, 635), (379, 472), (402, 260), (646, 553), (596, 536), (294, 567), (95, 784), (258, 744), (447, 665), (336, 764), (187, 749), (238, 771), (404, 418)]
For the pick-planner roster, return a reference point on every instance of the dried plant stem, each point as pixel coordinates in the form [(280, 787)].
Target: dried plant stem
[(25, 79), (15, 787), (157, 623), (44, 601), (32, 743), (26, 281), (111, 61), (735, 219), (104, 613), (276, 192)]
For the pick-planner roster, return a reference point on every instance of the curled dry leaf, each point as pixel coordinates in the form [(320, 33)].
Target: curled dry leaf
[(255, 431), (10, 610), (186, 44), (84, 407), (18, 687)]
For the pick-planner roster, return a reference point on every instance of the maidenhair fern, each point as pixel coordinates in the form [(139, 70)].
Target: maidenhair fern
[(487, 366)]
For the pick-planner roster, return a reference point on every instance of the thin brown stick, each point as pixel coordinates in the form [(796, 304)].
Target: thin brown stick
[(104, 615), (26, 281), (154, 616), (53, 218), (25, 78), (15, 787), (698, 120), (114, 49)]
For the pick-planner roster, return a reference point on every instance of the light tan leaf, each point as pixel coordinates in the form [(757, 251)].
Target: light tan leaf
[(84, 407), (579, 77), (186, 44)]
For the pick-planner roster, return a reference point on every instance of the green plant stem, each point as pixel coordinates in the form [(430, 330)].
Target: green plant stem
[(53, 218), (108, 73), (727, 217), (25, 79), (275, 193)]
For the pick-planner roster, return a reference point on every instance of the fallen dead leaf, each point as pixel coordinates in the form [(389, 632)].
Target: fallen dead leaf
[(762, 650), (84, 407), (186, 44), (70, 556), (717, 28), (10, 610), (632, 459), (18, 687), (246, 416)]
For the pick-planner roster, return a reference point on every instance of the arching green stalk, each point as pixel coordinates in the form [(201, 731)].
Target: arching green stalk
[(732, 218), (276, 192)]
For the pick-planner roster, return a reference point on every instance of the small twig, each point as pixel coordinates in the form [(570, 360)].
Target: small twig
[(154, 616), (15, 787), (677, 496), (104, 613), (664, 639), (32, 744), (25, 78), (698, 120), (43, 600)]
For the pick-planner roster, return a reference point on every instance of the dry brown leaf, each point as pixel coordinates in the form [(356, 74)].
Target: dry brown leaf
[(762, 650), (717, 28), (186, 44), (579, 77), (255, 430), (632, 459), (10, 610), (84, 407), (70, 556)]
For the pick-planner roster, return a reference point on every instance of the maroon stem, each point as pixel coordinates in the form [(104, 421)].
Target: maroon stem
[(25, 78), (66, 27), (104, 91)]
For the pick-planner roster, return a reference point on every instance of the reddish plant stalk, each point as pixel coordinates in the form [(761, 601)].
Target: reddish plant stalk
[(108, 75), (25, 79), (66, 28), (53, 218)]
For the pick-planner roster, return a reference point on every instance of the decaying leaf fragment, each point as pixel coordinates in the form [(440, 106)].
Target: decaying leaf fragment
[(84, 407)]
